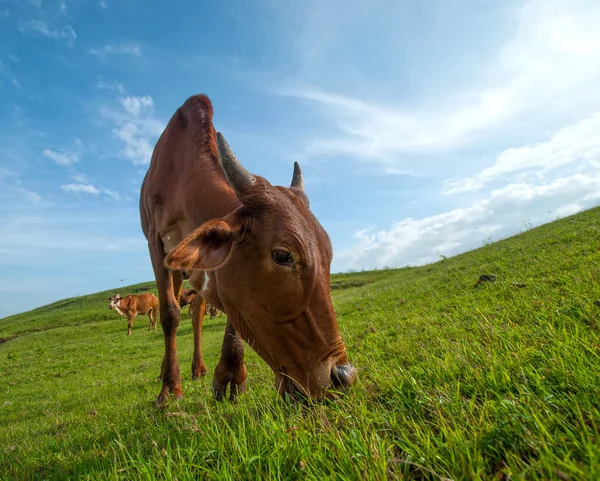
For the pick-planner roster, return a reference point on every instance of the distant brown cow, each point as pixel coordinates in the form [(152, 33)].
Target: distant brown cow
[(251, 249), (188, 296), (133, 305), (212, 310)]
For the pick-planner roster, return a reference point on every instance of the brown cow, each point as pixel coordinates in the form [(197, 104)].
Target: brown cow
[(253, 250), (213, 311), (133, 305), (187, 298)]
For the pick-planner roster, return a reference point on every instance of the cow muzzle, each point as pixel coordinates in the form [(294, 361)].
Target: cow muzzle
[(343, 376), (328, 382)]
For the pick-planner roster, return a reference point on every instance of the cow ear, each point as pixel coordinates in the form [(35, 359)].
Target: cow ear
[(205, 248)]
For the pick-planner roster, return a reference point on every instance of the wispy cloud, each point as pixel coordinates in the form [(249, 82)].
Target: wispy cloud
[(39, 28), (121, 48), (33, 197), (64, 158), (82, 188), (110, 86), (102, 4), (112, 194), (79, 177), (576, 143), (551, 63), (418, 241), (7, 74)]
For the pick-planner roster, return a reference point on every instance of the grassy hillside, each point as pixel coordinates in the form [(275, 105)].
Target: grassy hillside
[(498, 381)]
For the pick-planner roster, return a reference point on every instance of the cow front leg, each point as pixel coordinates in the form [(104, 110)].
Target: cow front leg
[(168, 284), (198, 308), (231, 369)]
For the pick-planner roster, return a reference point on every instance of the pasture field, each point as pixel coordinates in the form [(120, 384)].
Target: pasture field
[(498, 381)]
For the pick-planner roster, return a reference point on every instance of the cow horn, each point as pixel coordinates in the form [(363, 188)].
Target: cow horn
[(297, 180), (237, 176)]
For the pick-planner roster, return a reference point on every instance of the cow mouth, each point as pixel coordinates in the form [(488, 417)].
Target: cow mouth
[(289, 389)]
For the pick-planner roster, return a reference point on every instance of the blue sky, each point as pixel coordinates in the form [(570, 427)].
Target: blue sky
[(423, 128)]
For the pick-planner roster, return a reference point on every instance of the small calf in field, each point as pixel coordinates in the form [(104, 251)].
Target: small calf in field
[(188, 297), (212, 310), (133, 305)]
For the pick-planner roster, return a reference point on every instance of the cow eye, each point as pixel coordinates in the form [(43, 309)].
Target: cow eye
[(282, 257)]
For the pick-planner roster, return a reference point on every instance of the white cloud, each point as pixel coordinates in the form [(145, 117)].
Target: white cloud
[(550, 65), (418, 241), (63, 9), (104, 84), (80, 178), (64, 158), (569, 209), (137, 105), (33, 197), (576, 143), (84, 188), (102, 5), (121, 48), (42, 29), (136, 127), (112, 193)]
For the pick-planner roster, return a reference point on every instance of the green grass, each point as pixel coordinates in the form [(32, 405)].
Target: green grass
[(499, 381)]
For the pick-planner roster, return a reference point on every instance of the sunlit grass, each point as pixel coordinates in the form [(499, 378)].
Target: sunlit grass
[(497, 381)]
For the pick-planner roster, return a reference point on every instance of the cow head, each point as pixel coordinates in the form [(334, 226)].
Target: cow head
[(272, 259), (114, 301)]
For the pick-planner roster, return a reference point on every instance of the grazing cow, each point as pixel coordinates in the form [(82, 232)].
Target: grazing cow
[(187, 298), (251, 249), (133, 305), (212, 310)]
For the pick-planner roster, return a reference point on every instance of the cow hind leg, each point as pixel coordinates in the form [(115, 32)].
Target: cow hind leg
[(231, 369), (129, 324), (152, 317), (168, 284), (198, 307)]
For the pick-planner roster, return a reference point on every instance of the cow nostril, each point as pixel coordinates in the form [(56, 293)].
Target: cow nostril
[(343, 376)]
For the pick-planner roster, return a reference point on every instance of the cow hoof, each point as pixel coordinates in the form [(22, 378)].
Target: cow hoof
[(220, 390), (236, 389), (162, 398), (198, 373)]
